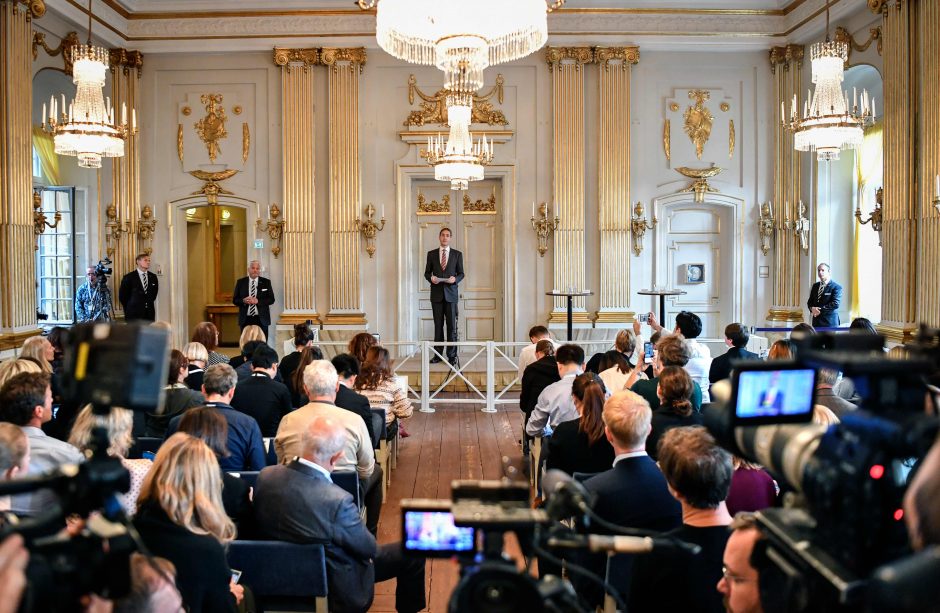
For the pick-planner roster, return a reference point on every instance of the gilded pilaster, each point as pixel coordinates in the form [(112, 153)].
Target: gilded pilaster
[(343, 69), (787, 303), (614, 180), (566, 66), (299, 189), (928, 256)]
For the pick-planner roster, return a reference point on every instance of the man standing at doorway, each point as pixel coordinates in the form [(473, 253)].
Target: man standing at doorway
[(824, 299), (444, 271), (138, 292), (253, 296)]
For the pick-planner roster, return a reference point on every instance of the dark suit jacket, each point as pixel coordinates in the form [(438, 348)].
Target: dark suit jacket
[(444, 292), (138, 304), (721, 365), (358, 404), (537, 376), (298, 504), (828, 304), (264, 399), (265, 300)]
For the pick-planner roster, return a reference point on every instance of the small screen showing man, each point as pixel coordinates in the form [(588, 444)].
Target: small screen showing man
[(771, 393), (435, 531)]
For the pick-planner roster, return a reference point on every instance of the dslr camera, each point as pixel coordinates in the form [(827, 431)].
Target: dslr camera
[(103, 270)]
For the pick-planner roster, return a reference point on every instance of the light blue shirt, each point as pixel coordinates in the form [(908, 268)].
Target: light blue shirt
[(555, 405), (45, 454), (316, 467)]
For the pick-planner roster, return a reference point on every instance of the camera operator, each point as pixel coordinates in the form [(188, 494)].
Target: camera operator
[(739, 582), (93, 298), (921, 511)]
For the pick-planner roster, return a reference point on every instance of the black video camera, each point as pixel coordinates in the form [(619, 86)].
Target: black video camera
[(103, 270)]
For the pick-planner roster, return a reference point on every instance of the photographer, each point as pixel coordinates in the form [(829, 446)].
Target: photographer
[(739, 584), (93, 298)]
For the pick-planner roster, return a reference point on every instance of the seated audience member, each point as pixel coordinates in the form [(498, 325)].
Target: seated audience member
[(921, 511), (298, 396), (198, 356), (671, 350), (781, 350), (347, 368), (40, 350), (617, 366), (825, 380), (207, 334), (740, 581), (177, 396), (244, 444), (299, 503), (153, 587), (208, 425), (250, 333), (624, 344), (14, 457), (537, 376), (360, 344), (736, 337), (377, 383), (244, 370), (260, 396), (180, 518), (118, 426), (752, 488), (824, 416), (321, 382), (303, 337), (579, 445), (161, 324), (675, 406), (527, 355), (26, 401), (689, 325), (801, 330), (11, 368), (698, 472), (555, 404), (862, 325)]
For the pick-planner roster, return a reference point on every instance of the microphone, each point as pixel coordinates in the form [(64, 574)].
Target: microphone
[(564, 497), (624, 544)]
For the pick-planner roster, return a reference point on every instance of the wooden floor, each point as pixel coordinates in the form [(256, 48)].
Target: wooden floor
[(456, 442)]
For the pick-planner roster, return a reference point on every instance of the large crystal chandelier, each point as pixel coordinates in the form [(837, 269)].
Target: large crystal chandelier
[(87, 128), (459, 160), (828, 124)]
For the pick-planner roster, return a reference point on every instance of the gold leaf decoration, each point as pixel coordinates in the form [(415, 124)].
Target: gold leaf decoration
[(211, 128), (698, 121), (433, 207), (667, 142), (246, 142), (480, 207), (730, 138), (433, 108)]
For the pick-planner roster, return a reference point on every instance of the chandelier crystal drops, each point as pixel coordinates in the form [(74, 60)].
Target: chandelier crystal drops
[(459, 160)]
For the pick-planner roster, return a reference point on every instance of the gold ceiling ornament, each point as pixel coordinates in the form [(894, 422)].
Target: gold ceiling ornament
[(179, 141), (211, 128), (874, 34), (674, 107), (126, 59), (698, 120), (433, 108), (786, 55), (730, 138), (700, 186), (626, 55), (480, 207), (146, 226), (211, 188), (579, 55), (724, 106), (329, 56), (766, 227), (307, 57), (667, 139), (66, 48), (639, 226), (246, 142), (40, 221), (433, 207)]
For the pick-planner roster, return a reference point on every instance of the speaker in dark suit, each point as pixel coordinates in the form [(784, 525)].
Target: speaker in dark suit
[(824, 299), (138, 297), (444, 271), (254, 308)]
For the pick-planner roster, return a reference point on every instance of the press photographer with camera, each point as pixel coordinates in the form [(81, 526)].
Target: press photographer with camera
[(93, 298)]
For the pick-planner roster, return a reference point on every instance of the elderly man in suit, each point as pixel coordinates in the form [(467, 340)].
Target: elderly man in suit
[(254, 296), (444, 271), (138, 292), (824, 299), (299, 503)]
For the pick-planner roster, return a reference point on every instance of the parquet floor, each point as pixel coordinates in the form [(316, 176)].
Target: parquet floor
[(456, 442)]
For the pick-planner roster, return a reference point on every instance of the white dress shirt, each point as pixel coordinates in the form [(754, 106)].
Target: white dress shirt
[(555, 405)]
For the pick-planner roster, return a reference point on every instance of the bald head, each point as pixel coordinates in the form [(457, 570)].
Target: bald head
[(323, 441)]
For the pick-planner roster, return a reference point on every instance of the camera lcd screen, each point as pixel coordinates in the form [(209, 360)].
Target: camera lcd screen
[(773, 395), (433, 533)]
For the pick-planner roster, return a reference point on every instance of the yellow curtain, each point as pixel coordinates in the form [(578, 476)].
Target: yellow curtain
[(868, 166), (45, 148)]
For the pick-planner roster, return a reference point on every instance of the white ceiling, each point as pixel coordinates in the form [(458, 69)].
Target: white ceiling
[(137, 6)]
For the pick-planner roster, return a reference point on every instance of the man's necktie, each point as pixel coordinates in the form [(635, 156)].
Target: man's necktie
[(822, 287), (253, 292), (143, 280), (443, 259)]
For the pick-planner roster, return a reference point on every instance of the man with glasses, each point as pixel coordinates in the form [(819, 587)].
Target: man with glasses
[(739, 580)]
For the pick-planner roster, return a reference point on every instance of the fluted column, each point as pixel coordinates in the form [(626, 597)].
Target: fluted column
[(566, 65), (299, 189), (17, 241), (786, 63), (613, 178), (343, 69)]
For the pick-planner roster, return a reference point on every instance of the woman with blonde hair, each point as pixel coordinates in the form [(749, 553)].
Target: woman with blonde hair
[(118, 425), (207, 334), (180, 517), (11, 368), (616, 367), (198, 357), (249, 333), (377, 383), (41, 351)]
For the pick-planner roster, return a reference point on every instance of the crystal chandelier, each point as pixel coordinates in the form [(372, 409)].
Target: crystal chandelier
[(459, 160), (828, 124), (86, 128)]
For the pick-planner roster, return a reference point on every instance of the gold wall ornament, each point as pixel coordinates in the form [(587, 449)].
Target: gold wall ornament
[(186, 111), (785, 56), (674, 107), (544, 227), (765, 227), (667, 139), (724, 106), (433, 108), (211, 188), (40, 221), (127, 59), (577, 55), (875, 218), (730, 138), (844, 36), (433, 207), (211, 128), (237, 109), (329, 56), (179, 141), (274, 227), (625, 55), (246, 141), (799, 226), (66, 48), (146, 226), (307, 57), (480, 207), (698, 120), (113, 229), (877, 6), (369, 229), (700, 186), (639, 226)]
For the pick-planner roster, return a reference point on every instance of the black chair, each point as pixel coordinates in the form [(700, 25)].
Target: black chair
[(296, 582), (382, 449), (379, 427), (248, 476), (582, 477), (142, 444), (349, 481)]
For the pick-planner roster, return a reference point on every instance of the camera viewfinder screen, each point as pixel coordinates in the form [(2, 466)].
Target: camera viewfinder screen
[(434, 531), (774, 393)]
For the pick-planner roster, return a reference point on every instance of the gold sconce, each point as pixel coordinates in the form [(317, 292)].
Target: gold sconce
[(146, 226), (543, 227), (800, 225), (936, 194), (639, 226), (40, 222), (113, 229), (765, 227), (875, 218), (274, 228), (369, 229)]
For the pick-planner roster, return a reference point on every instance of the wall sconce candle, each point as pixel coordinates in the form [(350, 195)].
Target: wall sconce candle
[(274, 228), (543, 227), (369, 229), (639, 226)]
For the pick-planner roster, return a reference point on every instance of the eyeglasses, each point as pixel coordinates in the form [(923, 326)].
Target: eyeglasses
[(732, 578)]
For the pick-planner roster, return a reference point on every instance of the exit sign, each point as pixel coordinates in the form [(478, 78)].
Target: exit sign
[(259, 243)]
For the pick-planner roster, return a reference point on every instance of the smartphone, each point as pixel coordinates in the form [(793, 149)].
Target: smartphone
[(643, 318), (149, 455), (236, 575), (648, 352)]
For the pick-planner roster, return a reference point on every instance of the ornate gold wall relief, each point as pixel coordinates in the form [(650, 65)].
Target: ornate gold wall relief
[(306, 57), (578, 55), (433, 207), (246, 141), (211, 128), (730, 138), (179, 141), (785, 56), (330, 56), (874, 34), (698, 121), (667, 139), (480, 207), (625, 56), (433, 108), (126, 59), (66, 47)]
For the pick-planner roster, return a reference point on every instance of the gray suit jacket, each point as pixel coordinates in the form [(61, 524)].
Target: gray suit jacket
[(298, 504)]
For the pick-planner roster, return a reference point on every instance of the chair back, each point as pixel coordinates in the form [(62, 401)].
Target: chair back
[(582, 477), (278, 570), (248, 476), (349, 481), (379, 427), (142, 444)]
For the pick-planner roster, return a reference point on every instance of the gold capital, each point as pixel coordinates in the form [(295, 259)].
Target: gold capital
[(354, 55), (126, 59), (785, 55), (579, 55), (626, 55), (286, 57)]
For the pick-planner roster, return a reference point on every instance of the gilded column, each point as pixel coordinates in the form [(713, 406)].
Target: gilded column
[(786, 64), (343, 68), (613, 178), (17, 240), (566, 65), (299, 189), (899, 232), (928, 256)]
